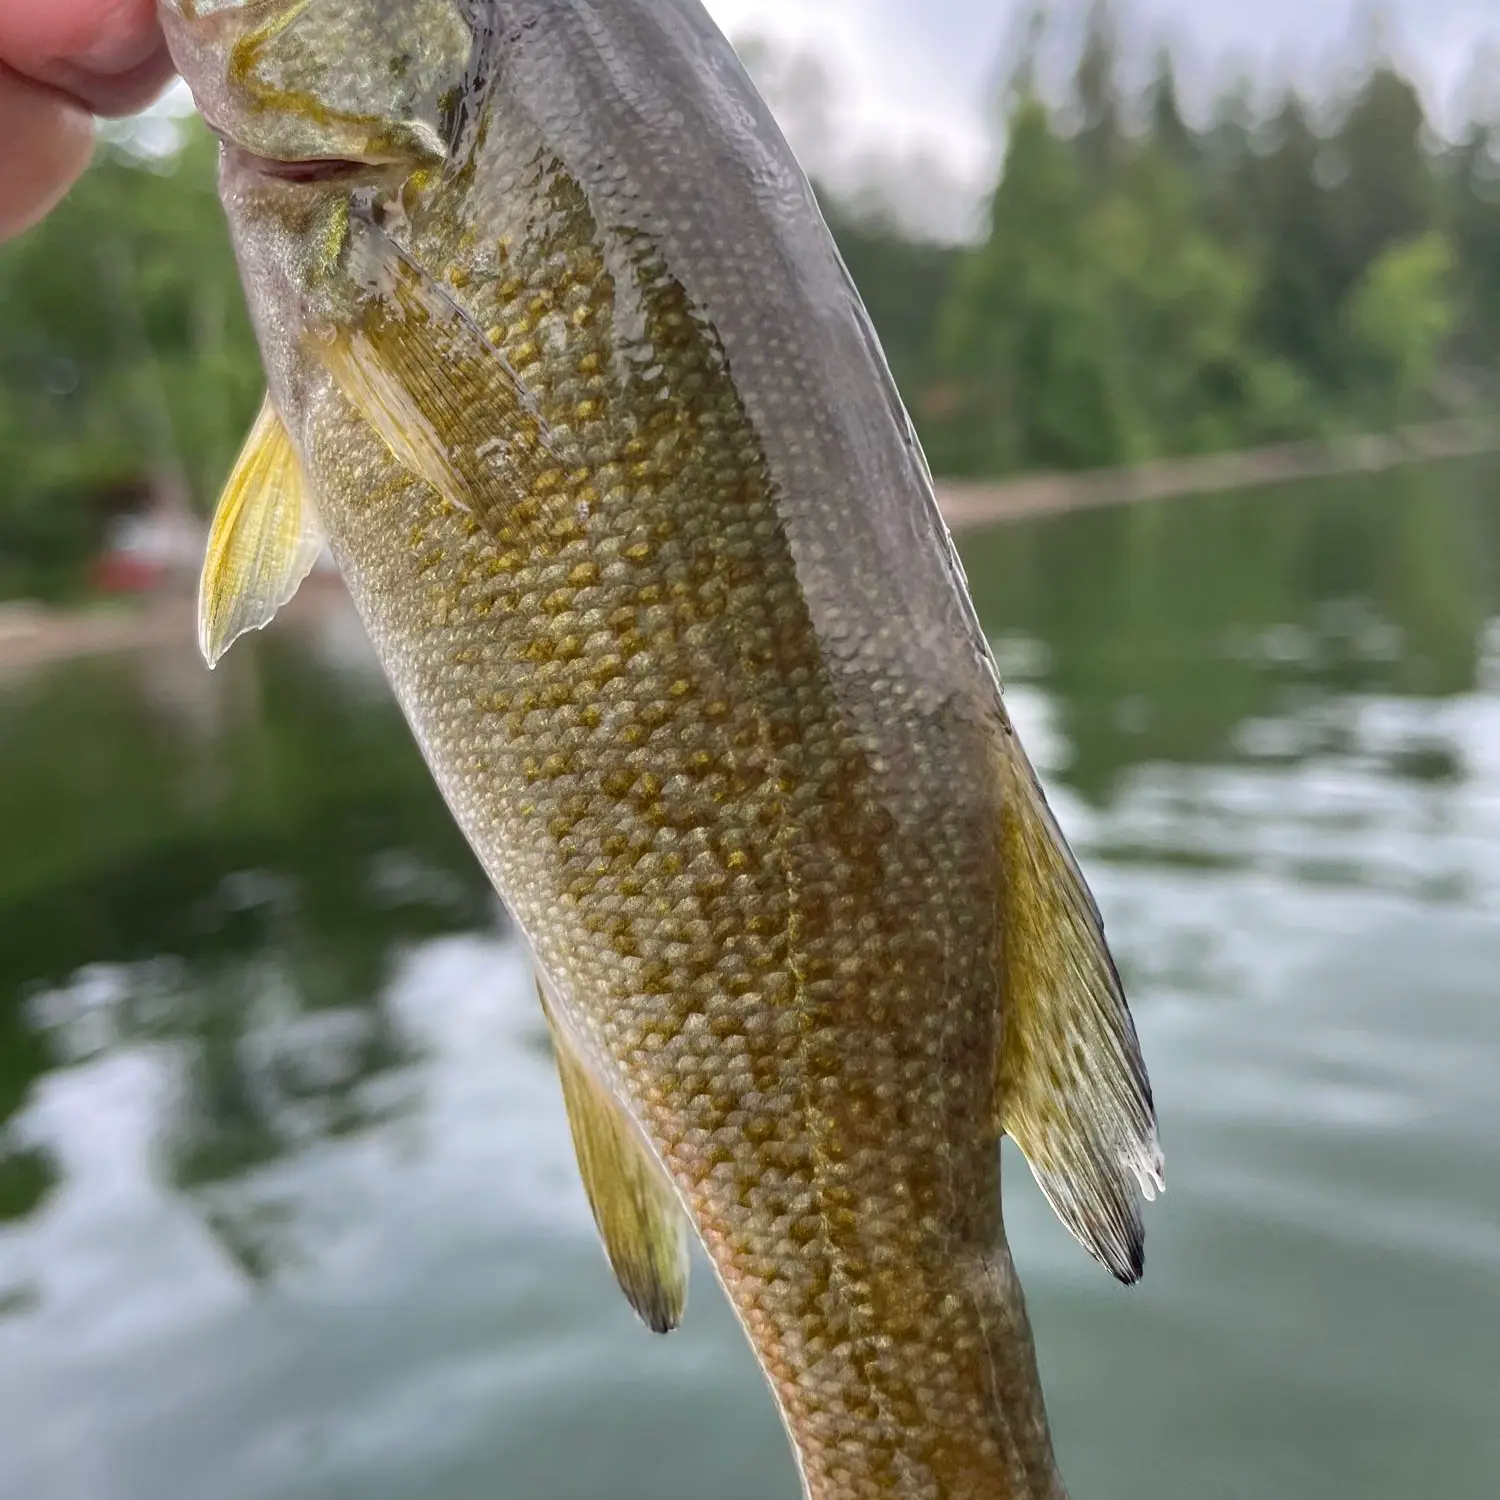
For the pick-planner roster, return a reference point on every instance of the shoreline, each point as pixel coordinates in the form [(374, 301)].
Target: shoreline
[(970, 503), (34, 635)]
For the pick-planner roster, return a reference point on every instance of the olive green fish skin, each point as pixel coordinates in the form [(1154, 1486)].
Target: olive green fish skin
[(708, 699)]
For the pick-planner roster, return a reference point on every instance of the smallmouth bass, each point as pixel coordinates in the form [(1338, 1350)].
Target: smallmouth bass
[(564, 365)]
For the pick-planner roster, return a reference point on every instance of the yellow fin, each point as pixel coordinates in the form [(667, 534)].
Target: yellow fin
[(642, 1224), (433, 388), (1074, 1093), (264, 540)]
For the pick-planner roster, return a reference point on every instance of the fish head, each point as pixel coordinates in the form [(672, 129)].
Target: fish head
[(323, 108), (336, 83)]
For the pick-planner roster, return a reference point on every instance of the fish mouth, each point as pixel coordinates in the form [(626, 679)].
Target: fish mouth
[(313, 169)]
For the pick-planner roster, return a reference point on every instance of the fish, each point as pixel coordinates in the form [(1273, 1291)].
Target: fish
[(565, 369)]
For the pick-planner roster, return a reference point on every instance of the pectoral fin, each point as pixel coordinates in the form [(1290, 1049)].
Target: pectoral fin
[(644, 1228), (436, 392), (1074, 1093), (264, 540)]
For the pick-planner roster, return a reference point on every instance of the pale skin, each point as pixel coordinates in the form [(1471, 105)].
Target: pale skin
[(62, 62)]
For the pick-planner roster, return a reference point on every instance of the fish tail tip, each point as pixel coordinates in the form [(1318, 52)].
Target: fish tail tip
[(1129, 1264)]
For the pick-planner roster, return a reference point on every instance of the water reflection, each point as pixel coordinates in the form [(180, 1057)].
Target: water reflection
[(1162, 632), (226, 870), (287, 1207)]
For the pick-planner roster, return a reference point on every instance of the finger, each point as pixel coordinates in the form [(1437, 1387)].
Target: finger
[(47, 144), (113, 93), (109, 55)]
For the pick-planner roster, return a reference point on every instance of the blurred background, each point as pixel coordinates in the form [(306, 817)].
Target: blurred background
[(287, 1205)]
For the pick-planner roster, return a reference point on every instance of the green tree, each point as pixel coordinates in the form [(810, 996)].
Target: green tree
[(1169, 130), (1399, 319), (1182, 302), (1386, 188), (1293, 221), (1026, 336), (1103, 328), (1227, 153), (1096, 96), (1475, 220)]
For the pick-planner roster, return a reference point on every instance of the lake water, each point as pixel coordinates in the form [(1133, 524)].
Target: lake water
[(287, 1206)]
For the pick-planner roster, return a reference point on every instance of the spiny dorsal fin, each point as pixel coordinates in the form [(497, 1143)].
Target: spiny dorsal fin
[(1074, 1093), (641, 1222), (264, 540)]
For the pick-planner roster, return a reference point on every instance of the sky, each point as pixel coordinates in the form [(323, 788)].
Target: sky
[(913, 77)]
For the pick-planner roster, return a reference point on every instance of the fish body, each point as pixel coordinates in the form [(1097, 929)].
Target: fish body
[(564, 364)]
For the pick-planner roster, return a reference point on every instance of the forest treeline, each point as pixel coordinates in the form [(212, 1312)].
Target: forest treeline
[(1141, 286), (1145, 287)]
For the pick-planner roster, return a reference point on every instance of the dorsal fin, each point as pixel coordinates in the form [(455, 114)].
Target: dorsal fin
[(1074, 1093), (643, 1226), (264, 540)]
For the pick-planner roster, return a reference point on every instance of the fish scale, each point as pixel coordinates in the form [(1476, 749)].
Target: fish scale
[(611, 464)]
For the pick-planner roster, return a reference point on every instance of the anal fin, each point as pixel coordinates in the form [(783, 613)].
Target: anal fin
[(1074, 1092), (643, 1226)]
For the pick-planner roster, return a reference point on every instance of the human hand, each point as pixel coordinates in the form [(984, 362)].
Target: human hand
[(61, 63)]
